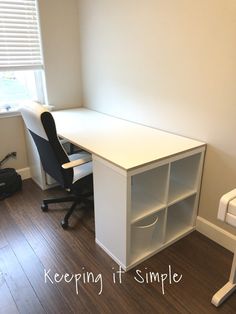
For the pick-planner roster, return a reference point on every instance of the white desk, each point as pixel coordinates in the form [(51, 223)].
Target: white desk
[(146, 182)]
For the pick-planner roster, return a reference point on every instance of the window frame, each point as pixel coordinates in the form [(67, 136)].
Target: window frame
[(39, 74)]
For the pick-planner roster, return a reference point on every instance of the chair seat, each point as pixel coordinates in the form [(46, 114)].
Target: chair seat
[(82, 170)]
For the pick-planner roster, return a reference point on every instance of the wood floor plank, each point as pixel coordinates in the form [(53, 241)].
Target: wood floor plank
[(19, 285), (204, 265), (3, 241), (47, 255), (7, 303), (48, 295)]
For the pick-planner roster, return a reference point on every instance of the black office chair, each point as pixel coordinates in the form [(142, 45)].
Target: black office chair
[(73, 173)]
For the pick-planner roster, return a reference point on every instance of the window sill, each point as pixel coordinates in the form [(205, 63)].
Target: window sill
[(15, 111), (9, 114)]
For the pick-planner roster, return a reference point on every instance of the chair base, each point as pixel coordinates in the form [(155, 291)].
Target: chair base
[(221, 295), (70, 198)]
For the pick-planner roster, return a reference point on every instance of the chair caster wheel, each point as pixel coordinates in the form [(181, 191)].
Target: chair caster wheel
[(44, 207), (64, 224)]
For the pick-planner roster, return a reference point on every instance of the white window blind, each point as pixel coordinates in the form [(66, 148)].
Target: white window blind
[(20, 46)]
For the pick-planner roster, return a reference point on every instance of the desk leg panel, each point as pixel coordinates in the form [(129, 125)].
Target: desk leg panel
[(110, 207)]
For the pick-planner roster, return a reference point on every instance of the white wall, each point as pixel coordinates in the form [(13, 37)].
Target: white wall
[(172, 65), (12, 139), (59, 28)]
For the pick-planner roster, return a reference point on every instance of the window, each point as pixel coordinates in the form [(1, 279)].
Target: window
[(16, 86), (21, 62)]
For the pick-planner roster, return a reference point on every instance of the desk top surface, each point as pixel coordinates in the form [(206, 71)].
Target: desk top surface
[(123, 143)]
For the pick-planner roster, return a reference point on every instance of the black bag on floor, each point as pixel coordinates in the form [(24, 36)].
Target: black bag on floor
[(10, 182)]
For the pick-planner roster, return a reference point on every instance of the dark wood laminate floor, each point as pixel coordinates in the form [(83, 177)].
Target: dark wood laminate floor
[(33, 243)]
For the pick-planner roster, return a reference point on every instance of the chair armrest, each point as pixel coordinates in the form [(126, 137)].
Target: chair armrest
[(77, 162)]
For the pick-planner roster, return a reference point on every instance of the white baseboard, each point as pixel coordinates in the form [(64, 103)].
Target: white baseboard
[(24, 172), (217, 234)]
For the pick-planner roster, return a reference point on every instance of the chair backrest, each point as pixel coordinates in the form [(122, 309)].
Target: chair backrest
[(42, 128)]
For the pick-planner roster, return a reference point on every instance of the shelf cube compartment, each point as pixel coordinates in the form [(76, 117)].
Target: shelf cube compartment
[(180, 218), (147, 234), (183, 177), (148, 192)]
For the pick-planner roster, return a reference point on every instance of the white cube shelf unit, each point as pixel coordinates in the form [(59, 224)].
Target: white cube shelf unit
[(148, 208)]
